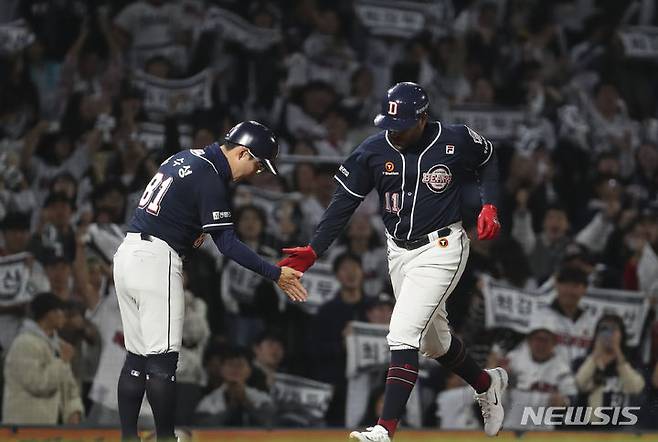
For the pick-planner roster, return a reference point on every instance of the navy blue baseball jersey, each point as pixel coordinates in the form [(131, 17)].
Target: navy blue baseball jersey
[(419, 188), (188, 196)]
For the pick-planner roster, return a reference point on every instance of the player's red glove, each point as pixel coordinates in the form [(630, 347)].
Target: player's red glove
[(488, 224), (300, 259)]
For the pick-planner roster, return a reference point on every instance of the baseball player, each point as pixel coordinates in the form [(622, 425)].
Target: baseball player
[(187, 198), (418, 167)]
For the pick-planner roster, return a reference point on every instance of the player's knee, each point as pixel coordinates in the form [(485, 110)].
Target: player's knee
[(162, 366), (437, 347), (398, 340), (134, 365)]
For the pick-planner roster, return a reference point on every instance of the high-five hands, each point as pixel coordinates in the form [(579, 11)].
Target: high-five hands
[(290, 283), (300, 258)]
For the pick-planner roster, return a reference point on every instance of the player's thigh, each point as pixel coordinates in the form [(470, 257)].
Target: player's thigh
[(396, 261), (162, 309), (428, 281), (128, 307), (435, 341), (415, 307), (436, 338)]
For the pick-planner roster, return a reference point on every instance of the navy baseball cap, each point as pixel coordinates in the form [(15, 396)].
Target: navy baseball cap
[(259, 139), (402, 107)]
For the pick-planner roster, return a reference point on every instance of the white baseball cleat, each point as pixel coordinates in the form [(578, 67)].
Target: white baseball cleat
[(372, 434), (491, 401)]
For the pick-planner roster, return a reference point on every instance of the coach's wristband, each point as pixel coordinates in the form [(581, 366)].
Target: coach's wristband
[(273, 272)]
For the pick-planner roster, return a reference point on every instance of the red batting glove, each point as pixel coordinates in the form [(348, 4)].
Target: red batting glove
[(488, 224), (300, 259)]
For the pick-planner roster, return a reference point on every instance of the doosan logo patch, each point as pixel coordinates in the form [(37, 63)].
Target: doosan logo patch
[(438, 178), (215, 216)]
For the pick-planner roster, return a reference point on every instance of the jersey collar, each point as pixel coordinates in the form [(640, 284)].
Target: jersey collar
[(216, 156), (432, 129), (556, 306)]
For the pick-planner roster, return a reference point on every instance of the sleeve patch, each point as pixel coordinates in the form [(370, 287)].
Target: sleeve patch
[(477, 138)]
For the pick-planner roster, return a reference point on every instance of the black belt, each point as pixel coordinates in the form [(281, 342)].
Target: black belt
[(146, 237), (413, 244), (143, 236)]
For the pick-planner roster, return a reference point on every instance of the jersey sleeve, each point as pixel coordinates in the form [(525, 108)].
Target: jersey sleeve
[(214, 203), (354, 176), (477, 151)]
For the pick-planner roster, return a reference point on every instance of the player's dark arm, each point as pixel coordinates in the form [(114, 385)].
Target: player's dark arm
[(487, 176), (334, 220), (354, 179), (231, 247)]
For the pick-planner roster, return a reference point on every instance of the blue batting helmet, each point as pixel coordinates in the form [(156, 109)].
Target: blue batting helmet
[(402, 107), (259, 139)]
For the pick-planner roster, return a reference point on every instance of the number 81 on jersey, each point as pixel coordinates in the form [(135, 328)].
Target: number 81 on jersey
[(152, 204)]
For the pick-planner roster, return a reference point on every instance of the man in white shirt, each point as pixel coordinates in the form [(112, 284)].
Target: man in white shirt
[(575, 327), (538, 376)]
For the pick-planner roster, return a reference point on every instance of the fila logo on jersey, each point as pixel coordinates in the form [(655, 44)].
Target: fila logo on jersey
[(438, 178), (392, 108), (220, 215), (344, 171), (450, 149)]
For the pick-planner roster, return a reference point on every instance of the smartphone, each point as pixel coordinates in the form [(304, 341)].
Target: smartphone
[(605, 332)]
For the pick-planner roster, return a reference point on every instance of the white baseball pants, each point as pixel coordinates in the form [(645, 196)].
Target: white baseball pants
[(423, 279), (148, 276)]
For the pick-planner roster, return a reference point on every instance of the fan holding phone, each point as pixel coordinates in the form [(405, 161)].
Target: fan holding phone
[(606, 376)]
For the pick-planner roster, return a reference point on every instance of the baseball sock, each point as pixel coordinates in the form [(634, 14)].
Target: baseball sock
[(161, 392), (130, 392), (462, 364), (400, 380)]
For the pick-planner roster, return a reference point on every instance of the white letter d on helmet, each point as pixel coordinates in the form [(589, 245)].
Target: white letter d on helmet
[(392, 108)]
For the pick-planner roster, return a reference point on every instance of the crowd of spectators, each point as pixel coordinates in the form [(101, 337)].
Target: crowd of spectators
[(94, 95)]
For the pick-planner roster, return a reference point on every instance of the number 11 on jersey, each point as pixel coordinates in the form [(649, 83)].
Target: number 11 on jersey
[(160, 183), (392, 202)]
